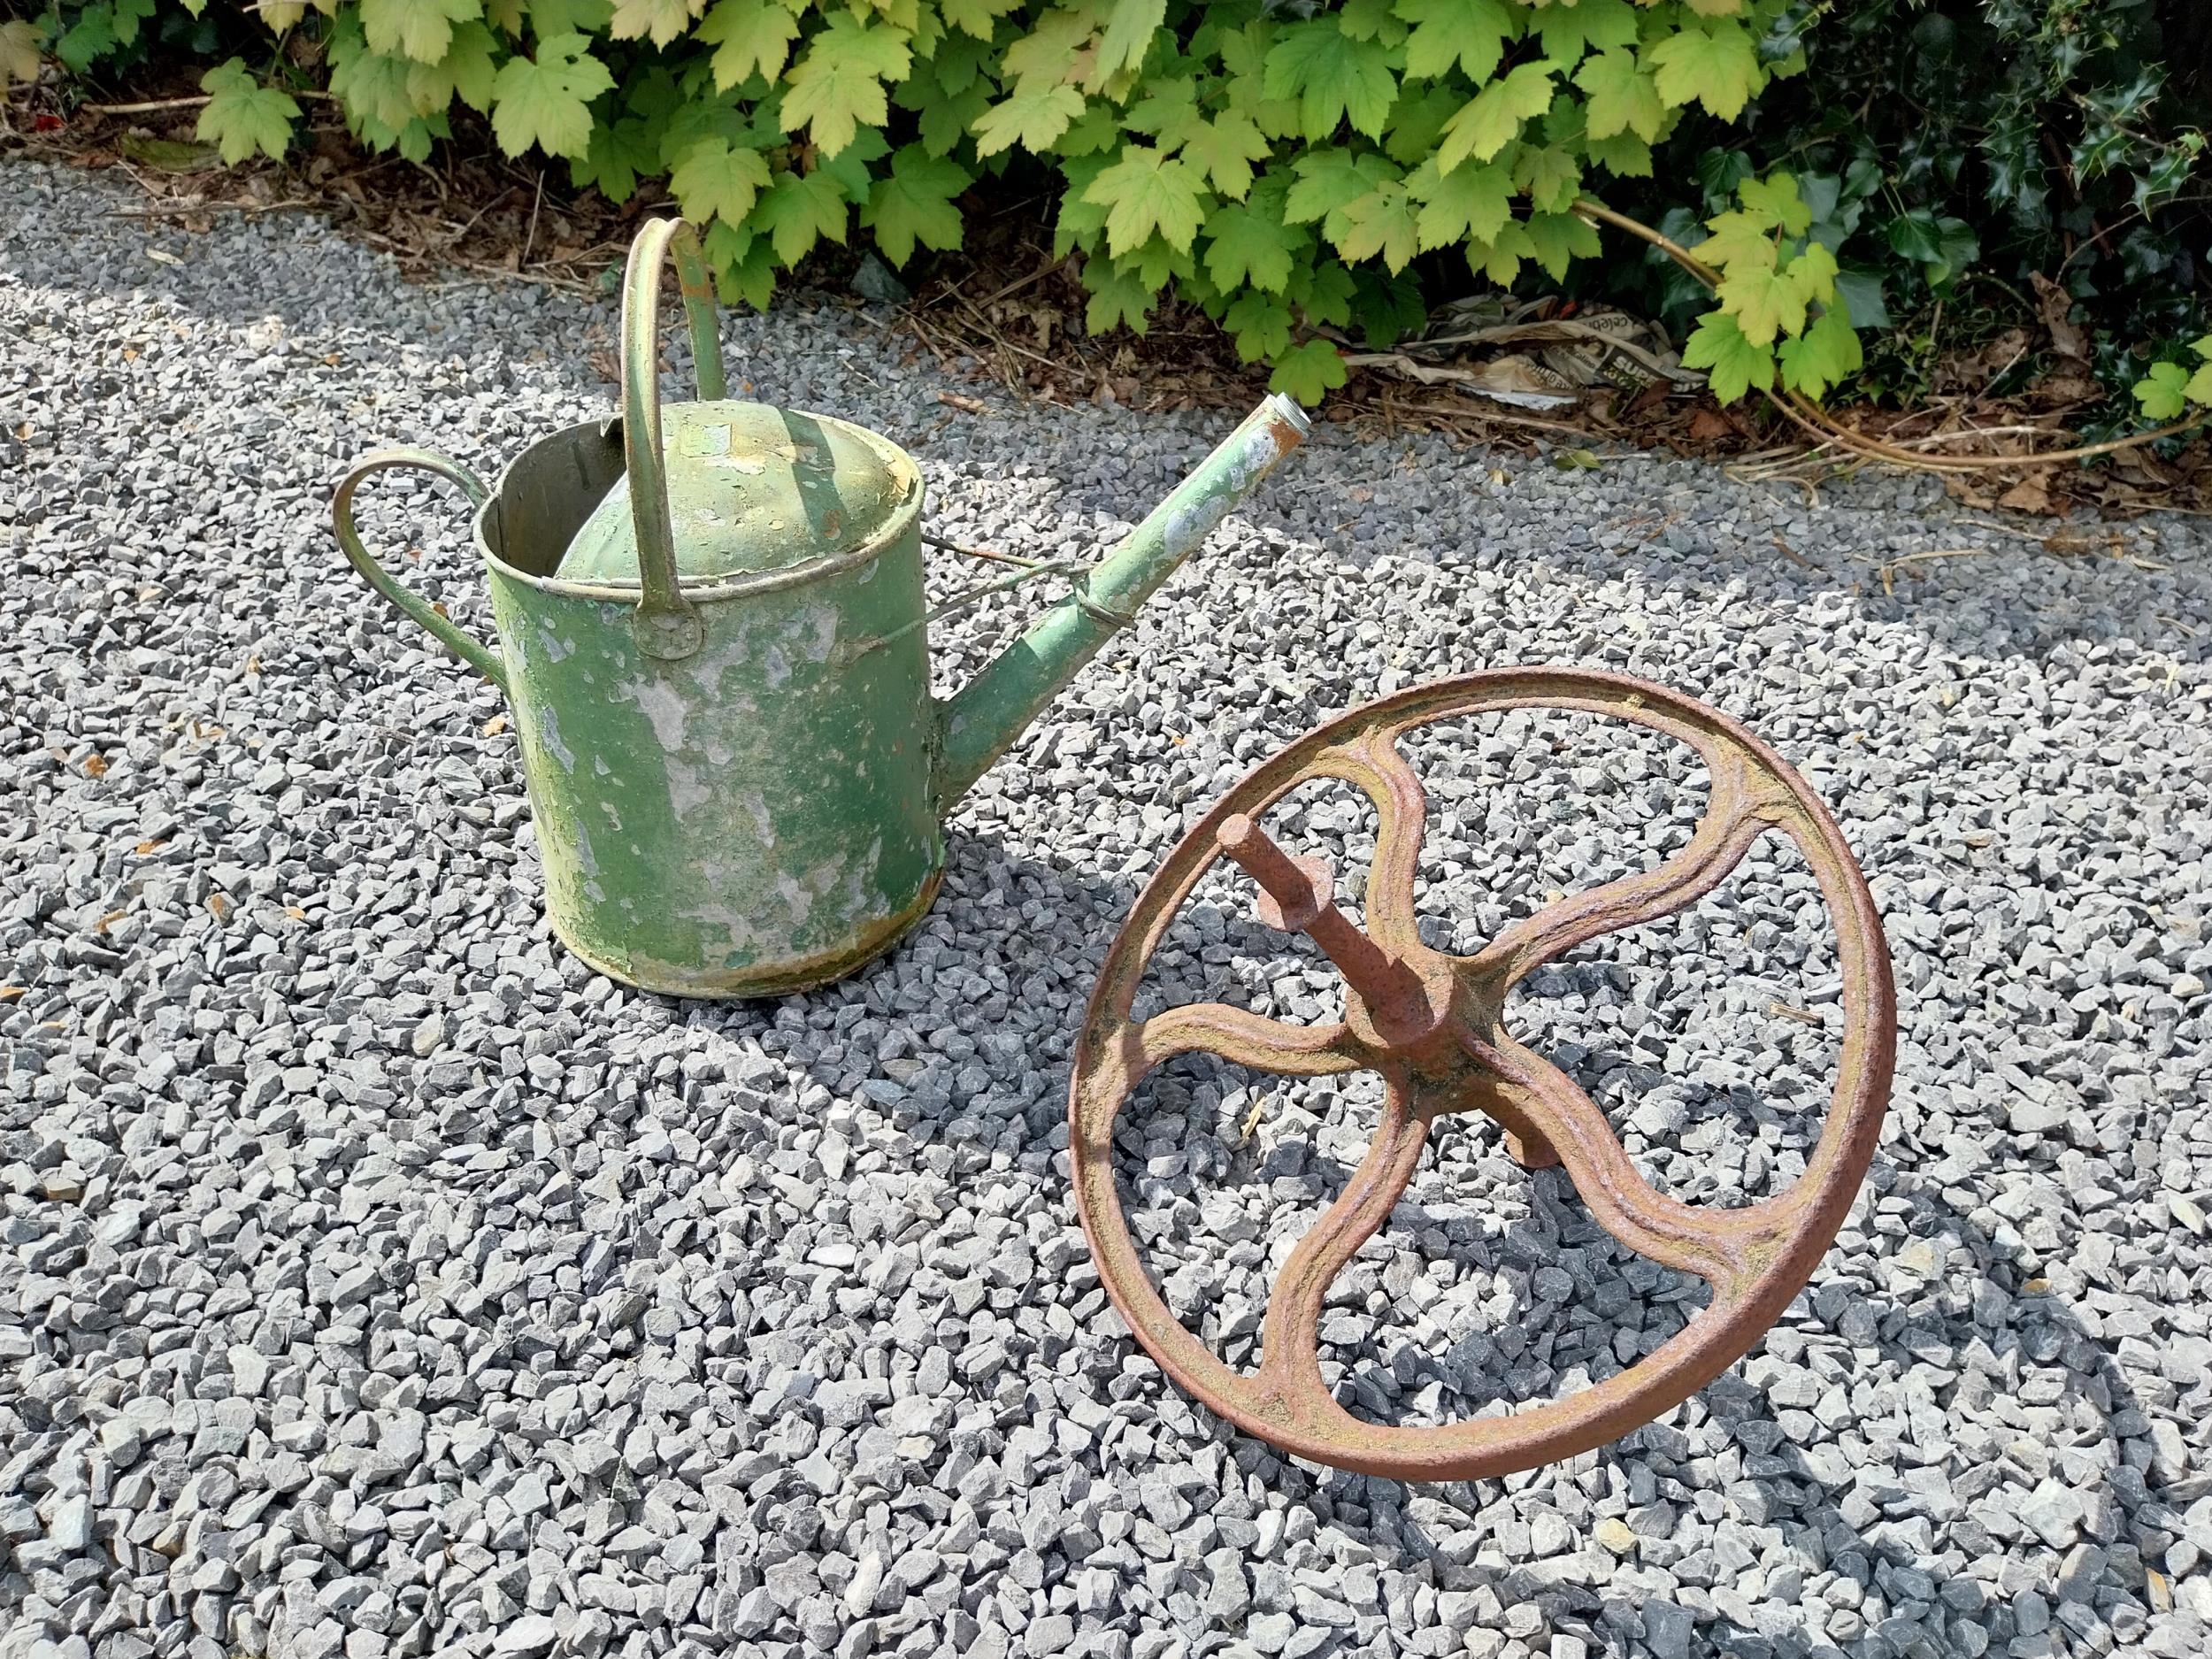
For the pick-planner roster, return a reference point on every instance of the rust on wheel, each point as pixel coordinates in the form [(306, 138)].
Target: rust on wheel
[(1432, 1026)]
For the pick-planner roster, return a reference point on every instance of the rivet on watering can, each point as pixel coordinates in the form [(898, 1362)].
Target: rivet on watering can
[(713, 628)]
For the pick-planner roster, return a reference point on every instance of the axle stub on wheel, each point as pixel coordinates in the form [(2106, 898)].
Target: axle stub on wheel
[(1431, 1024)]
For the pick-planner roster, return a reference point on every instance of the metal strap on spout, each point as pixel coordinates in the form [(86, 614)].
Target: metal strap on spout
[(667, 624)]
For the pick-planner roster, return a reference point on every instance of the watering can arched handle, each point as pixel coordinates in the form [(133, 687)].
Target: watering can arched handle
[(475, 654), (667, 624)]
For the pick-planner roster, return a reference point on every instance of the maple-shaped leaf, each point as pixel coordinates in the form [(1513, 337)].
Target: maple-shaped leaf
[(1716, 63), (1472, 201), (750, 37), (1308, 372), (1549, 176), (1323, 290), (372, 88), (1225, 149), (976, 18), (420, 29), (466, 71), (660, 20), (1765, 303), (1490, 120), (1033, 118), (1498, 257), (1250, 245), (544, 101), (1813, 272), (1371, 20), (852, 168), (1732, 364), (914, 203), (1824, 354), (549, 19), (1261, 325), (620, 152), (837, 87), (1739, 239), (1774, 201), (19, 51), (1714, 8), (1592, 25), (243, 117), (1143, 193), (1554, 239), (1332, 78), (799, 210), (1051, 49), (1623, 154), (1329, 179), (1116, 296), (1383, 221), (1622, 97), (1127, 38), (712, 181), (1470, 33)]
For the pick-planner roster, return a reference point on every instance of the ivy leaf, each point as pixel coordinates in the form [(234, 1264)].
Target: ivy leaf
[(1125, 40), (1822, 354), (243, 117), (1145, 192), (420, 29), (837, 87), (1554, 240), (1733, 364), (1467, 202), (1715, 64), (1309, 374), (712, 181), (1332, 78), (1116, 296), (663, 21), (19, 51), (1225, 149), (1251, 246), (1594, 26), (750, 37), (914, 202), (976, 18), (1383, 221), (1471, 33), (1491, 119), (1622, 97), (798, 210), (1033, 117), (1261, 325), (544, 102)]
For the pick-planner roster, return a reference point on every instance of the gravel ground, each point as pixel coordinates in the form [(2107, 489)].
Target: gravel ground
[(381, 1281)]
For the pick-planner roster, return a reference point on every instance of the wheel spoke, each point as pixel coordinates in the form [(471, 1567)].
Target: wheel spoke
[(1238, 1035), (1738, 814), (1373, 765)]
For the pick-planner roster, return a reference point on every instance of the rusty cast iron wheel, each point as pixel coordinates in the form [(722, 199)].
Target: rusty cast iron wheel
[(1432, 1026)]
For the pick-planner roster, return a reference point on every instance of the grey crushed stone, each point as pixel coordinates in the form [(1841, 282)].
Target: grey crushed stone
[(380, 1281)]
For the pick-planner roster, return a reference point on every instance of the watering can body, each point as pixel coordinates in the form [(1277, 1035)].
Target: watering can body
[(736, 772)]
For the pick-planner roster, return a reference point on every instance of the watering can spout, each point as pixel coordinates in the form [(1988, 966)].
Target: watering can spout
[(981, 720)]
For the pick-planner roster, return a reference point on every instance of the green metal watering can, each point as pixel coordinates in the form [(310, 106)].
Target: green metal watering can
[(713, 634)]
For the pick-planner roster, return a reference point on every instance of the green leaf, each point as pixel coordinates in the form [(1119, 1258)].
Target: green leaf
[(852, 169), (1733, 364), (1383, 221), (90, 38), (1824, 354), (1033, 118), (1333, 79), (744, 266), (466, 71), (1323, 291), (1471, 201), (977, 18), (1622, 97), (372, 89), (1551, 176), (549, 19), (243, 117), (1554, 239), (1261, 325), (1812, 274), (128, 15), (1715, 64), (1470, 33), (620, 151), (750, 37), (1592, 25), (1127, 38), (1499, 258), (1309, 374), (1144, 192), (545, 101), (420, 29), (1225, 149), (914, 203), (837, 87), (1624, 154), (2162, 391), (1739, 239), (1371, 20), (712, 181), (1116, 296), (19, 51), (1251, 244), (1774, 200), (1328, 180), (1763, 302), (1491, 119), (663, 21), (798, 210)]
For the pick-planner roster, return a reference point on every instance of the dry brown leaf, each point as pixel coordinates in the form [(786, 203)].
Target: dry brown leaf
[(2031, 493), (1708, 424), (296, 913), (2052, 302), (9, 993), (218, 905), (95, 766), (109, 920), (147, 849), (494, 727), (965, 404)]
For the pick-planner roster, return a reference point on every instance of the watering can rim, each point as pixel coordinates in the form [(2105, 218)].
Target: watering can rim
[(610, 427)]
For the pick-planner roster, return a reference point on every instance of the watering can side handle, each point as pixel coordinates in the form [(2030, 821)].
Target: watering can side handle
[(475, 654), (667, 624)]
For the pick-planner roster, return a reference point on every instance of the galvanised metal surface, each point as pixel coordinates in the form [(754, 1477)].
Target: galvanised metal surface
[(712, 634), (1431, 1024)]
